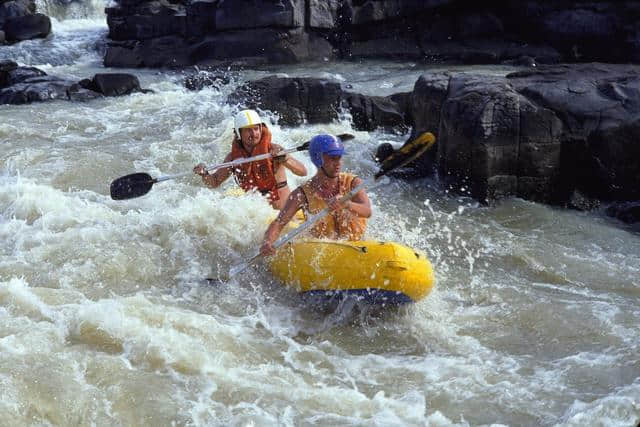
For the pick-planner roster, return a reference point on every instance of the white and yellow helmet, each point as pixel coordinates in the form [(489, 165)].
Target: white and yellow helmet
[(246, 118)]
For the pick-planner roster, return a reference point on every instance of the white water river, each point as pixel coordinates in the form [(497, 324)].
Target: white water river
[(104, 318)]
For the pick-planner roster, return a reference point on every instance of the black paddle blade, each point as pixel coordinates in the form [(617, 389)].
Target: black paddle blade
[(407, 153), (131, 186), (343, 137)]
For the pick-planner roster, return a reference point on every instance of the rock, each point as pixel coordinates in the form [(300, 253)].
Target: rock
[(372, 112), (581, 202), (17, 74), (15, 9), (425, 30), (37, 89), (278, 46), (232, 14), (324, 13), (296, 100), (628, 212), (76, 92), (170, 51), (544, 134), (388, 48), (6, 67), (115, 84), (309, 100), (22, 85), (204, 79), (27, 27)]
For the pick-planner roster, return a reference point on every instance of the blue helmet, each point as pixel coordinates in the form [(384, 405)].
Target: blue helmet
[(324, 144)]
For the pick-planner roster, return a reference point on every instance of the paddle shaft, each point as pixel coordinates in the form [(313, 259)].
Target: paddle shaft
[(232, 163)]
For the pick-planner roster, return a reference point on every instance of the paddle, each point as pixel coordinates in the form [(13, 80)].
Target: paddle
[(409, 152), (138, 184)]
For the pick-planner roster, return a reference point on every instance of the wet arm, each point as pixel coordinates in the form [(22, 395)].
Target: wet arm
[(295, 166), (214, 180), (293, 204), (289, 162), (360, 203)]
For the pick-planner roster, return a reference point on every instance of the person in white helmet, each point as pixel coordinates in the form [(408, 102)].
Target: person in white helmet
[(251, 138)]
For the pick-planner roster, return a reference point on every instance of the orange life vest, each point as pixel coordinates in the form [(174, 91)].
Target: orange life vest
[(341, 224), (257, 175)]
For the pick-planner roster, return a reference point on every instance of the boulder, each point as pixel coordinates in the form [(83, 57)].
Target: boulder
[(235, 15), (27, 27), (525, 32), (296, 100), (542, 134), (115, 84), (35, 89), (15, 9), (372, 112), (281, 46), (628, 212), (169, 51), (310, 100), (22, 85)]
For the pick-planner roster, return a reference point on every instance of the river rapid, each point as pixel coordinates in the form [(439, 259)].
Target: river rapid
[(105, 319)]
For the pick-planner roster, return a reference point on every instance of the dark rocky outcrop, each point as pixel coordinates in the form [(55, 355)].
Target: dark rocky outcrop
[(628, 212), (296, 100), (19, 21), (23, 85), (310, 100), (205, 78), (154, 33), (562, 134), (541, 134), (113, 84)]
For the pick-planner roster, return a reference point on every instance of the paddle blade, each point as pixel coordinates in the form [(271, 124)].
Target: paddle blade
[(343, 137), (131, 186), (407, 153)]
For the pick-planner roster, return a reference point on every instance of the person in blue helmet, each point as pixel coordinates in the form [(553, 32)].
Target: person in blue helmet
[(347, 220)]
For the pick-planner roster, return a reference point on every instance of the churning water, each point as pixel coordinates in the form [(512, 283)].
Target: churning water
[(105, 319)]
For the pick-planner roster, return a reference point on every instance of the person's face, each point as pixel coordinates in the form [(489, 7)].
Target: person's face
[(331, 165), (251, 135)]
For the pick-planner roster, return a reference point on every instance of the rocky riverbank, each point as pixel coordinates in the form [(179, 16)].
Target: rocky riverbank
[(560, 130), (19, 21), (23, 85), (158, 33)]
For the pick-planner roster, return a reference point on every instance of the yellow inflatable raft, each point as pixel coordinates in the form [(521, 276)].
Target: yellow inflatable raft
[(378, 272)]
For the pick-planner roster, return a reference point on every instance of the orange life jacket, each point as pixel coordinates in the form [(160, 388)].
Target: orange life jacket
[(257, 175), (340, 224)]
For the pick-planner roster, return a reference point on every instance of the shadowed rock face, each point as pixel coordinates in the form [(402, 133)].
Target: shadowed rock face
[(309, 100), (545, 134), (540, 134), (18, 21), (154, 33)]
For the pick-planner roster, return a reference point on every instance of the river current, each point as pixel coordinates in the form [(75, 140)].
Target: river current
[(105, 319)]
